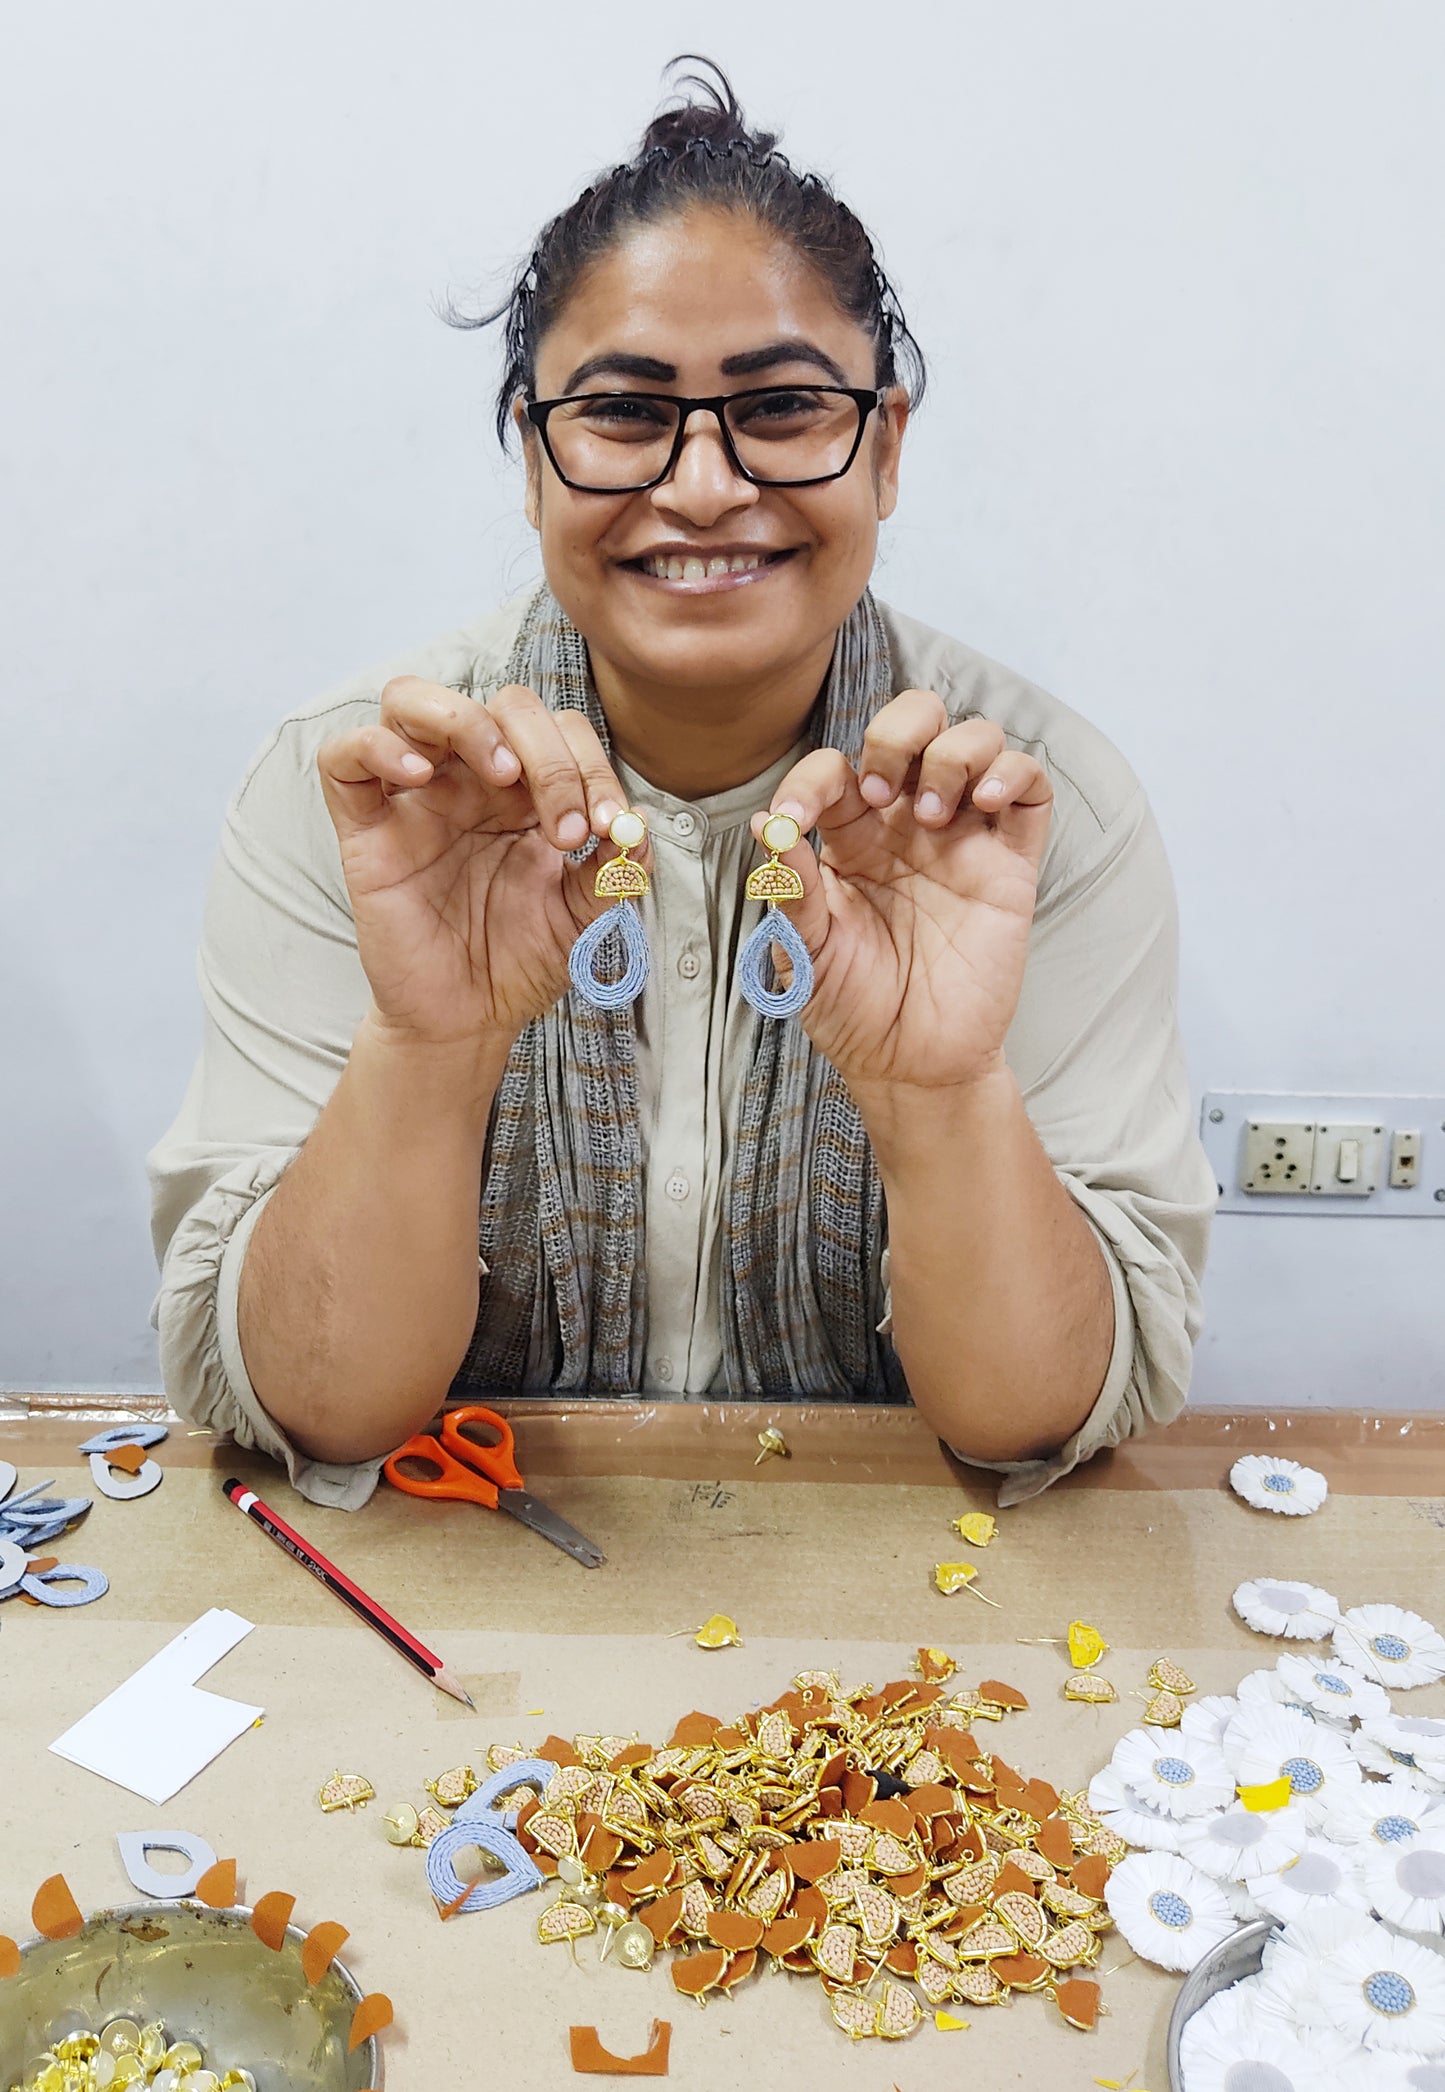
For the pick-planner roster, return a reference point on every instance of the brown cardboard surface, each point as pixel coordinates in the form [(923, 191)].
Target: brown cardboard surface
[(835, 1574)]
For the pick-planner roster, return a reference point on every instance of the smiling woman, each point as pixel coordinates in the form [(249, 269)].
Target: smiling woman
[(411, 1164)]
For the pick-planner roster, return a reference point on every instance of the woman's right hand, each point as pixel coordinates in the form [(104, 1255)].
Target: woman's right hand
[(454, 820)]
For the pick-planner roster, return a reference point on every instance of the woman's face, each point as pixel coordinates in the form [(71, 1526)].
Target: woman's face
[(692, 294)]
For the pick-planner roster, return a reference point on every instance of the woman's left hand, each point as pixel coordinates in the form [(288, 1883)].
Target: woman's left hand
[(917, 907)]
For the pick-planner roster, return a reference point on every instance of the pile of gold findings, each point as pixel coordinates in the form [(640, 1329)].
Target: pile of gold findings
[(124, 2053), (866, 1837)]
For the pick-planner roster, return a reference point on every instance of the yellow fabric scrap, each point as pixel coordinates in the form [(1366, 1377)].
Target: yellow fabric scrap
[(1272, 1795)]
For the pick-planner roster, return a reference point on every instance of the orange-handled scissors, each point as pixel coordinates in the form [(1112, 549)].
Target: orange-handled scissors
[(483, 1471)]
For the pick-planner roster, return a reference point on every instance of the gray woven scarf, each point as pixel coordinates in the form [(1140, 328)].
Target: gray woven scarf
[(564, 1302)]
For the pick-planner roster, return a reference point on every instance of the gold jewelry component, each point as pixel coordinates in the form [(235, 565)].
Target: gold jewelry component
[(620, 879), (451, 1789), (771, 1441), (1166, 1676), (346, 1790), (774, 881), (718, 1633), (1089, 1687), (977, 1527), (959, 1576), (402, 1824)]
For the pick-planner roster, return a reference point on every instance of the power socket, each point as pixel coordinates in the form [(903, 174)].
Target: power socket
[(1279, 1155)]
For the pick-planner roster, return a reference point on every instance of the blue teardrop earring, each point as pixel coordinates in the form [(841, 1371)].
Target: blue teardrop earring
[(774, 882), (618, 880)]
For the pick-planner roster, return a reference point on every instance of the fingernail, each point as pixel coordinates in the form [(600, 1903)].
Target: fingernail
[(991, 788), (875, 789), (415, 765), (605, 814), (791, 806), (929, 805), (504, 763), (572, 830)]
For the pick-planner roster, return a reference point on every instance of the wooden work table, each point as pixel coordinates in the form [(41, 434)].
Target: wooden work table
[(823, 1559)]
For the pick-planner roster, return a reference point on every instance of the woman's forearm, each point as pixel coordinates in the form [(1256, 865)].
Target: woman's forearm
[(1002, 1307), (358, 1295)]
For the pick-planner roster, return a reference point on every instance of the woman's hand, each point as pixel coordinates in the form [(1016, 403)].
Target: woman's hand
[(918, 905), (454, 819)]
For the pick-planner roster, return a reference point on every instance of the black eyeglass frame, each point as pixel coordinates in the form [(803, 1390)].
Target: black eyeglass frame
[(866, 401)]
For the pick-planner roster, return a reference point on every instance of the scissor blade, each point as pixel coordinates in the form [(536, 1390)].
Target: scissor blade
[(526, 1508)]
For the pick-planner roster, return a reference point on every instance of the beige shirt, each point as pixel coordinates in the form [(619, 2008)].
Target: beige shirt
[(1094, 1047)]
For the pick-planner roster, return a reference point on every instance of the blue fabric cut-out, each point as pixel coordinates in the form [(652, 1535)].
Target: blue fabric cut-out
[(445, 1883), (481, 1806), (755, 959), (581, 965), (125, 1435), (66, 1585)]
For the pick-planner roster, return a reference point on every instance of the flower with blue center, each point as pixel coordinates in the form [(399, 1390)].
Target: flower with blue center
[(1330, 1689), (1385, 1812), (1168, 1911), (1395, 1647), (1272, 1484), (1166, 1771), (1387, 1991), (1264, 1744)]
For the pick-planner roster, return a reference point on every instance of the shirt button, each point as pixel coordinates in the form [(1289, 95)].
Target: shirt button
[(677, 1186), (689, 966), (662, 1367), (684, 823)]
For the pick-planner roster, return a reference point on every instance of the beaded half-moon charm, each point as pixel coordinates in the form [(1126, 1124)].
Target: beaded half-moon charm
[(774, 882), (619, 880)]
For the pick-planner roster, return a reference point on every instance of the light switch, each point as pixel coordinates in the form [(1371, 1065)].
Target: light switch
[(1347, 1160)]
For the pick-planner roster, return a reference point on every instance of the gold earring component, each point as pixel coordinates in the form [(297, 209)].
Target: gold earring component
[(774, 882), (625, 882)]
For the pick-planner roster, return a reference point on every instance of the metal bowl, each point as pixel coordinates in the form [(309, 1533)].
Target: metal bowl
[(1238, 1956), (208, 1978)]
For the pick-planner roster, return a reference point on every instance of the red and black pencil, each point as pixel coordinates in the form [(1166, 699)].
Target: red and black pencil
[(342, 1587)]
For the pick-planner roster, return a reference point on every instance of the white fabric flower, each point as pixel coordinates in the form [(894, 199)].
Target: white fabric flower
[(1245, 1909), (1323, 1874), (1387, 1991), (1396, 1647), (1114, 1805), (1220, 2060), (1166, 1772), (1393, 1763), (1168, 1911), (1405, 1882), (1330, 1688), (1205, 1721), (1237, 1842), (1229, 2016), (1271, 1484), (1264, 1688), (1263, 1744), (1414, 1741), (1383, 1812), (1288, 1986), (1399, 2074), (1302, 1612)]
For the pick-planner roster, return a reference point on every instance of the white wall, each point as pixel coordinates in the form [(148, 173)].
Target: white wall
[(1177, 270)]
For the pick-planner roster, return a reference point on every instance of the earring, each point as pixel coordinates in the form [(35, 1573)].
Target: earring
[(774, 882), (618, 880)]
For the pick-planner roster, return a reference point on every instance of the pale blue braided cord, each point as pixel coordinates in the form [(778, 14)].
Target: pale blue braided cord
[(446, 1885), (611, 995), (756, 954), (66, 1585)]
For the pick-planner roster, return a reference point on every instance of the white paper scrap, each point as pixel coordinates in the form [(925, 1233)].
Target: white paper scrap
[(155, 1732)]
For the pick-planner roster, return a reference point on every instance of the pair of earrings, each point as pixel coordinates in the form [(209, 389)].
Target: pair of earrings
[(624, 881)]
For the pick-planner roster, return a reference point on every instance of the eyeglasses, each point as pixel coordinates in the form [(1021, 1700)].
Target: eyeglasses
[(775, 436)]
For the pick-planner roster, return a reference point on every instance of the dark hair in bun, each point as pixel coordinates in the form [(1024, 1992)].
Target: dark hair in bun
[(702, 151)]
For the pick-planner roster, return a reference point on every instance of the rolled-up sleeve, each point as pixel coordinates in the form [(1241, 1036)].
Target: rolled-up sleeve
[(283, 993), (1095, 1048)]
